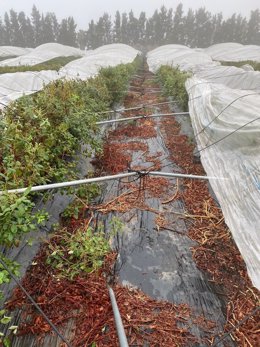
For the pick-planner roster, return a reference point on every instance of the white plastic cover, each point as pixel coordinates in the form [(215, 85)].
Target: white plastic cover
[(9, 51), (14, 85), (224, 108), (177, 55), (230, 76), (236, 52), (43, 53), (108, 55), (236, 157)]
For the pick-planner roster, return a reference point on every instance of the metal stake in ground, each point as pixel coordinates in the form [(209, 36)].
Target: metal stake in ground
[(118, 320)]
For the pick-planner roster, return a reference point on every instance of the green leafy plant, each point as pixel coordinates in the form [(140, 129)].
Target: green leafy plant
[(4, 275), (173, 82), (40, 135), (4, 340), (83, 195), (65, 110), (17, 218), (117, 80), (80, 252), (115, 226), (83, 251)]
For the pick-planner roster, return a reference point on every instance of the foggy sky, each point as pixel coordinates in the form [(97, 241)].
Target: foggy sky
[(85, 10)]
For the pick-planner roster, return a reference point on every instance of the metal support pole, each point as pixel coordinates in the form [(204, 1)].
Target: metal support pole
[(118, 320)]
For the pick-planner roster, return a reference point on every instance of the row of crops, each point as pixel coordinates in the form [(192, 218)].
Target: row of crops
[(41, 135)]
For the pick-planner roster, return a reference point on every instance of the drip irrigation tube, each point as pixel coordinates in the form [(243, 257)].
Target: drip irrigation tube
[(118, 320), (107, 178), (141, 117)]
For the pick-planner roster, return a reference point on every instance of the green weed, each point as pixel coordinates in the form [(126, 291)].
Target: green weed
[(77, 253)]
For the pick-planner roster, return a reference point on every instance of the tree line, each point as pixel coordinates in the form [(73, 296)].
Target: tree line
[(18, 29), (196, 28)]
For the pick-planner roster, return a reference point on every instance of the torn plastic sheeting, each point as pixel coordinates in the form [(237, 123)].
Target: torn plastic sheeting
[(236, 157)]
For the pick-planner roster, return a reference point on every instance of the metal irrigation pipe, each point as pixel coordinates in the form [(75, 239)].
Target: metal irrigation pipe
[(137, 107), (142, 117), (108, 178), (118, 320), (122, 109), (70, 184), (177, 175)]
